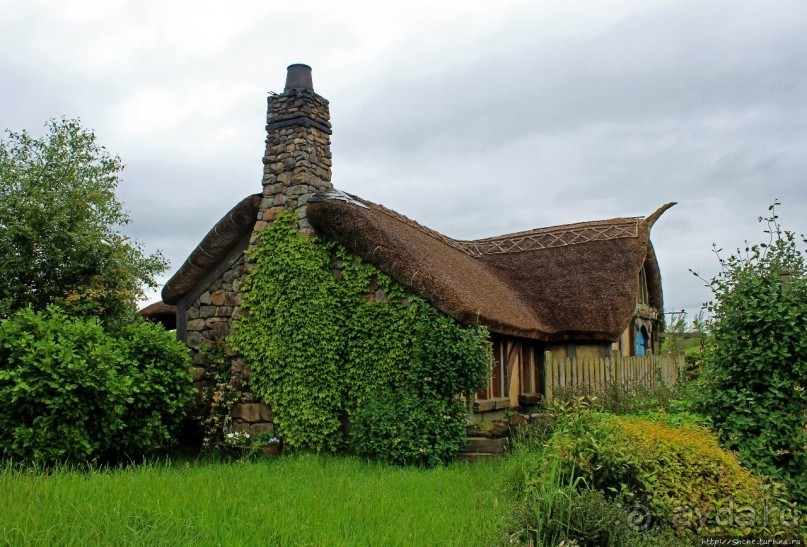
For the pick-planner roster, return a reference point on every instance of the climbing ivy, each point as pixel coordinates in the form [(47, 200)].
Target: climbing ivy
[(292, 335), (323, 347)]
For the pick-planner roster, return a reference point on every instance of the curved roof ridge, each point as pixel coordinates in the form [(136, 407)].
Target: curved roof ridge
[(233, 226), (555, 228), (651, 219), (451, 242), (527, 240)]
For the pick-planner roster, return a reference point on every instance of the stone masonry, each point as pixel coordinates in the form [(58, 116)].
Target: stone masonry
[(297, 162), (297, 165)]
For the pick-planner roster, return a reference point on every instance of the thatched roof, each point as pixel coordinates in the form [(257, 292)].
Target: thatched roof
[(160, 312), (232, 228), (571, 282)]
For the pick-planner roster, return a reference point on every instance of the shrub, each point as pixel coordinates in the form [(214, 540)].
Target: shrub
[(161, 392), (680, 473), (72, 392), (406, 429), (556, 508), (591, 519), (755, 366)]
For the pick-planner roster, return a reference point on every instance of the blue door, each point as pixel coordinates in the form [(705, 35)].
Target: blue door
[(639, 343)]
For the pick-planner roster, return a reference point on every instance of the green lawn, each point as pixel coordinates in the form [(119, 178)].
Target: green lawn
[(299, 500)]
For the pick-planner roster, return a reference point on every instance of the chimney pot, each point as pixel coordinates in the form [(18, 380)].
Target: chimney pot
[(298, 76)]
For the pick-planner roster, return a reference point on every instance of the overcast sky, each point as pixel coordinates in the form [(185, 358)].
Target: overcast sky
[(474, 118)]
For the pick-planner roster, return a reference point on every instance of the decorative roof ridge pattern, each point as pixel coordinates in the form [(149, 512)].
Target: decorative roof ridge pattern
[(556, 236), (529, 240)]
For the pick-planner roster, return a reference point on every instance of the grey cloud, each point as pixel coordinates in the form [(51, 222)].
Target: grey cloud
[(508, 127)]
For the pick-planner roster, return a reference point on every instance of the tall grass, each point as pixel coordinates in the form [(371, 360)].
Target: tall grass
[(303, 500), (626, 396)]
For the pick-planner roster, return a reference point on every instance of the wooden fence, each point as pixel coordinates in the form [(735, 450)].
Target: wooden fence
[(595, 374)]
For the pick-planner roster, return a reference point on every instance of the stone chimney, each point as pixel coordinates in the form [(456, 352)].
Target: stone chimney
[(297, 162)]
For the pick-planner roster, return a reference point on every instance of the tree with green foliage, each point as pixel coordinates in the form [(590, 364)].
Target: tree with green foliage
[(81, 378), (59, 222), (755, 364)]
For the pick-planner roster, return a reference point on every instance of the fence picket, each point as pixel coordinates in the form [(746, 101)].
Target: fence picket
[(597, 372)]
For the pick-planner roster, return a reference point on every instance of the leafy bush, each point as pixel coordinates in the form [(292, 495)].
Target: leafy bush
[(72, 392), (161, 392), (680, 473), (556, 507), (406, 429), (321, 350), (591, 519), (756, 364)]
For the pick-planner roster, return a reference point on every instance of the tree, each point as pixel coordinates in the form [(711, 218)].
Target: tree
[(755, 367), (59, 221)]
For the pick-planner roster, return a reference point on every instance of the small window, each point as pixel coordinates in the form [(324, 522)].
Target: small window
[(644, 294), (499, 377)]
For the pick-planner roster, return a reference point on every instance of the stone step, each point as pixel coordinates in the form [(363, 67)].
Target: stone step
[(485, 445), (473, 457)]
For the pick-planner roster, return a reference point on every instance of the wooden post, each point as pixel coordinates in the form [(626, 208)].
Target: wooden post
[(549, 376), (562, 372), (514, 367), (596, 376)]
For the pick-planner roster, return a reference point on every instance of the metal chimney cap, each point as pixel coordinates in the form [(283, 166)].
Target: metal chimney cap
[(298, 76)]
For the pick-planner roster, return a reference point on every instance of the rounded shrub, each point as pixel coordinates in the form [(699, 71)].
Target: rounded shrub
[(680, 474), (71, 392), (406, 429)]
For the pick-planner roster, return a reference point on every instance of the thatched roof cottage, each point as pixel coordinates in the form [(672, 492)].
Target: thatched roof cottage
[(584, 289)]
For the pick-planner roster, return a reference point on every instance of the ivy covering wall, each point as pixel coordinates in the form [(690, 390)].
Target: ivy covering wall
[(329, 338)]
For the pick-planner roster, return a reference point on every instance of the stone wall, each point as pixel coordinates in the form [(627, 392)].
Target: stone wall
[(297, 164), (209, 320)]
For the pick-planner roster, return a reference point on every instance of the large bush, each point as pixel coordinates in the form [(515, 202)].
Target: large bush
[(678, 476), (72, 392), (756, 365), (322, 348)]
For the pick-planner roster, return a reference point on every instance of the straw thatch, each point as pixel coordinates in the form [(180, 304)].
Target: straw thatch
[(227, 232), (160, 312), (572, 282)]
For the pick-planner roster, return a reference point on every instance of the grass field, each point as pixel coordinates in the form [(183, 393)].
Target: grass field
[(299, 500)]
